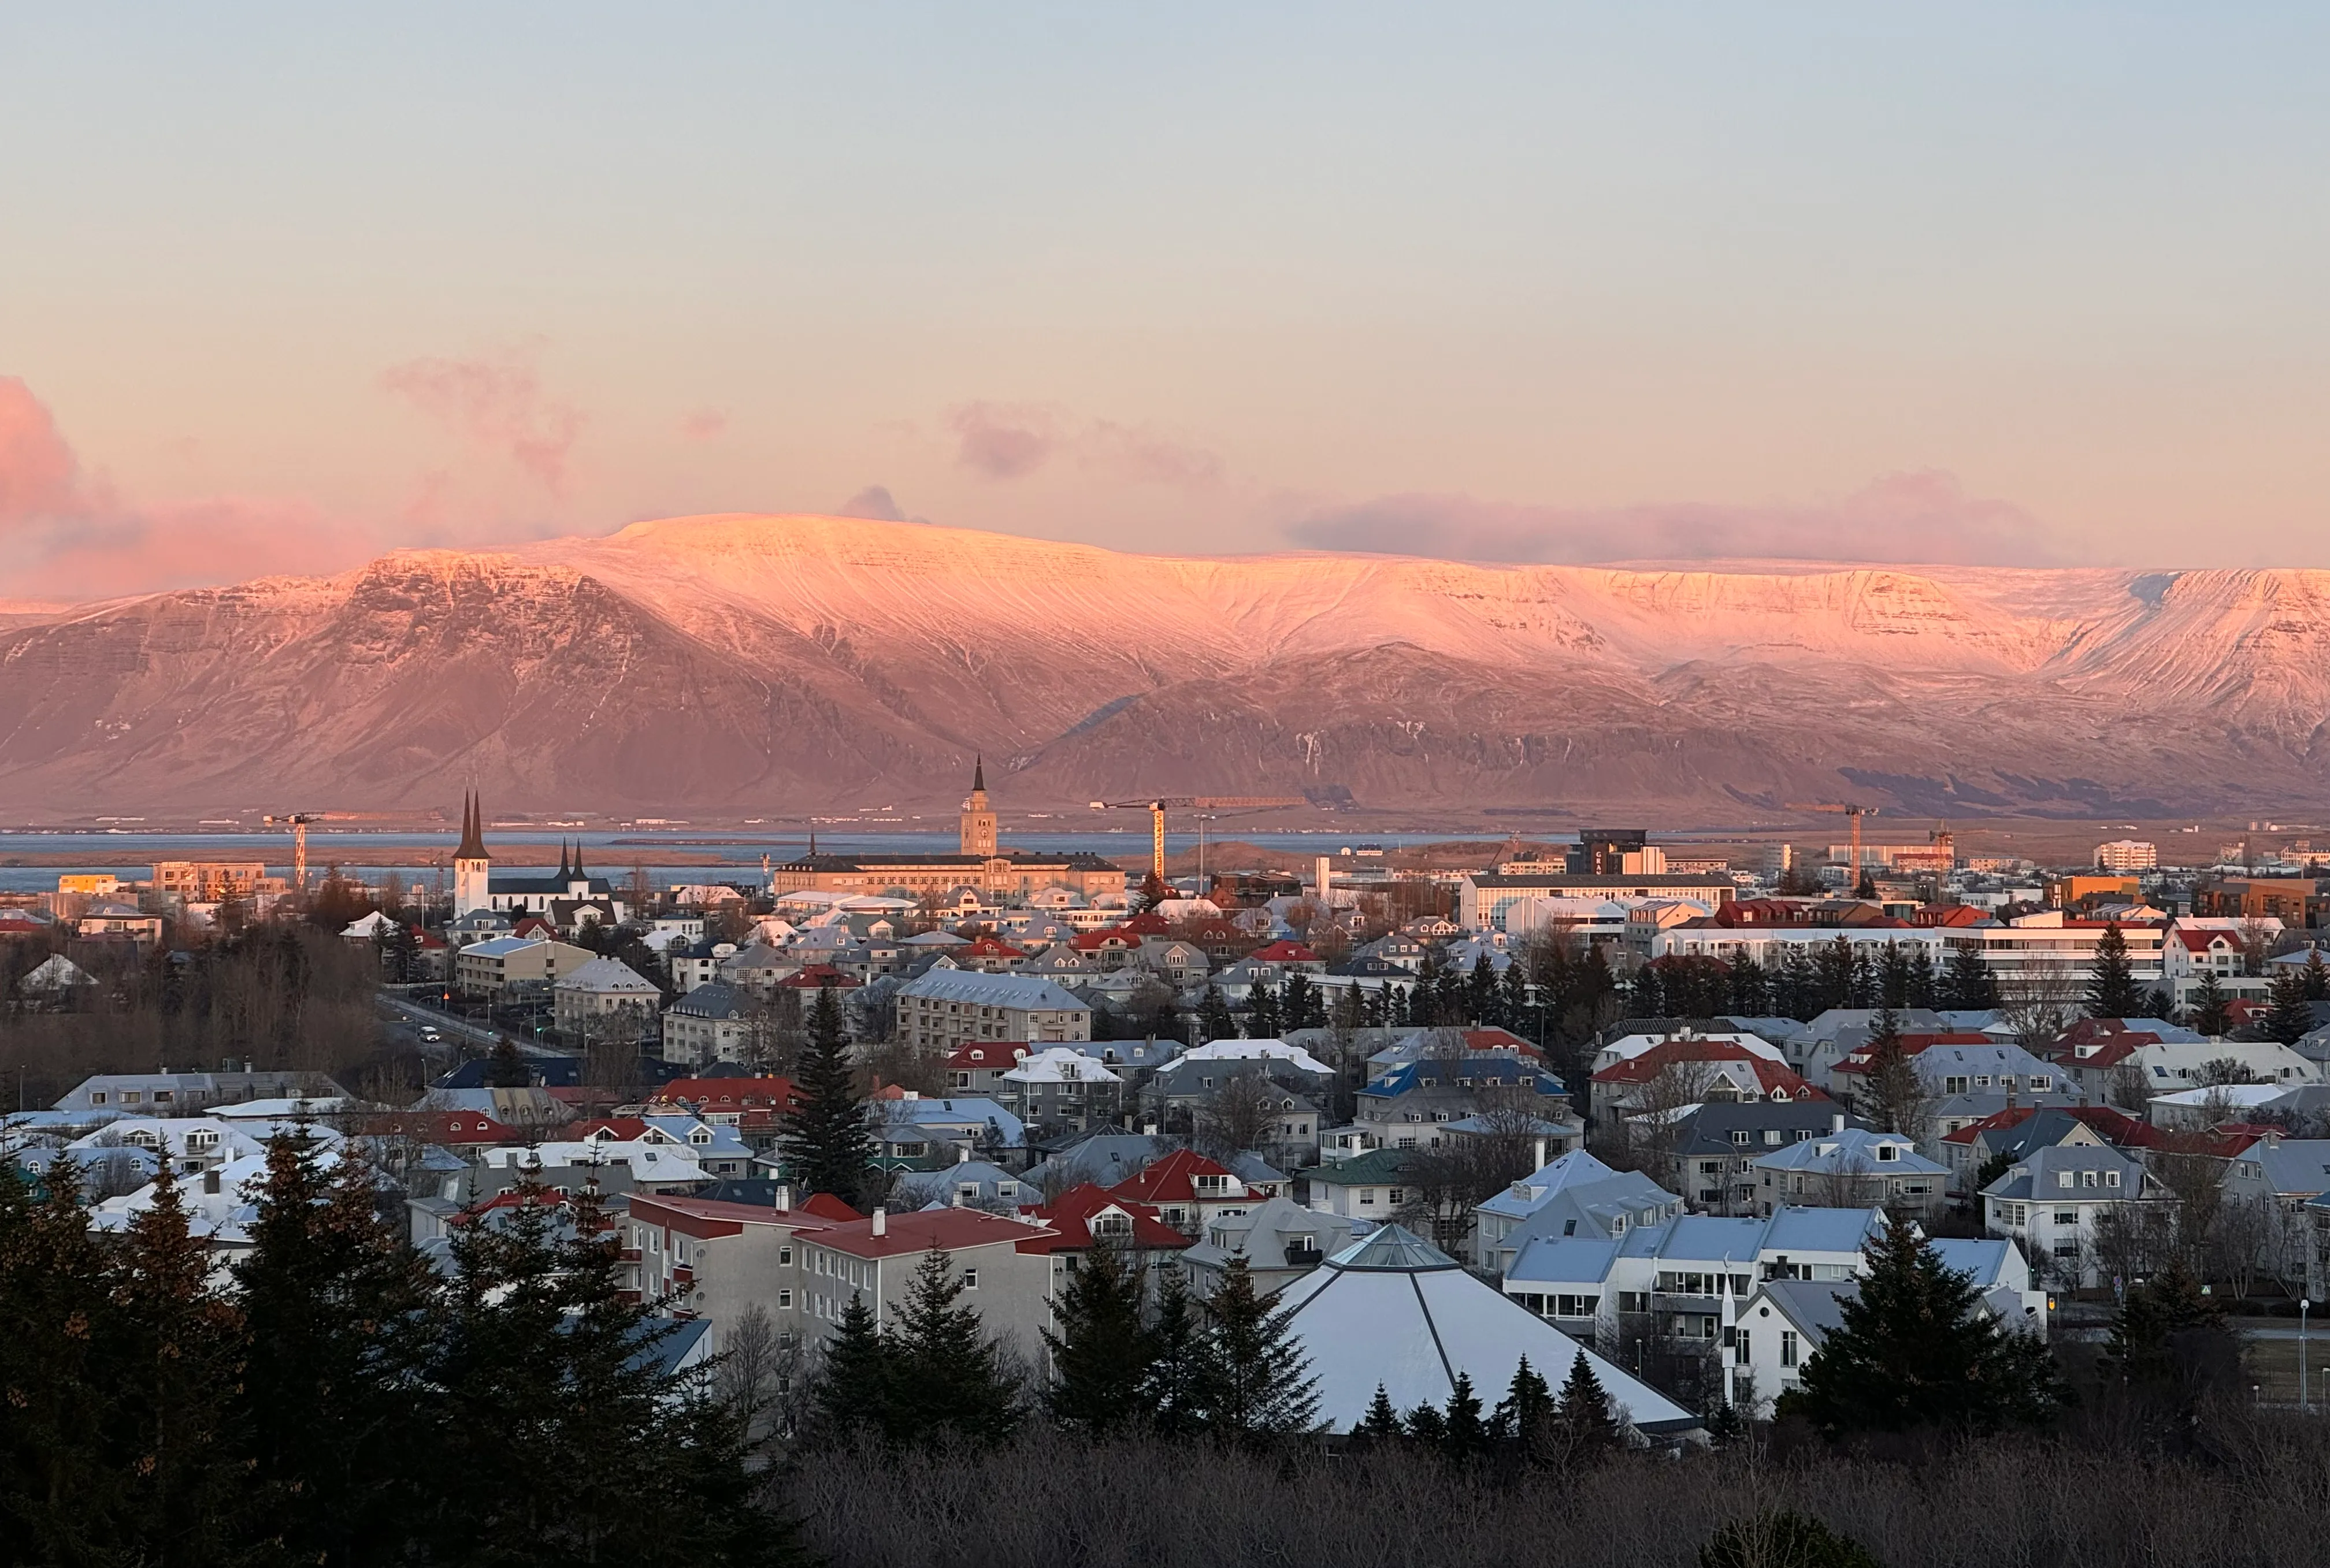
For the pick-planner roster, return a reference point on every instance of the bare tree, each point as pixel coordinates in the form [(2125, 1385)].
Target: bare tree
[(1242, 1114)]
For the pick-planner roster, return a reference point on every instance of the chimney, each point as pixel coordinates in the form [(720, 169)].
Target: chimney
[(1323, 874), (211, 1180), (880, 1222), (1836, 1121), (1149, 1129), (962, 1154), (784, 1200), (1539, 1154), (957, 1201)]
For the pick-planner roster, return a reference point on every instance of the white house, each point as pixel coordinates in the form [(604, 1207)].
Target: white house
[(2049, 1201)]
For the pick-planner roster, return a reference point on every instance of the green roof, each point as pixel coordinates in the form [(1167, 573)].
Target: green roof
[(1373, 1169)]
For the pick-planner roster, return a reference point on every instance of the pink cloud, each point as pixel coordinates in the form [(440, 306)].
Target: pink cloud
[(66, 536), (496, 405), (1009, 441), (1924, 516), (704, 424)]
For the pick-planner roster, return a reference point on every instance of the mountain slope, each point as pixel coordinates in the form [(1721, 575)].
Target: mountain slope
[(775, 664)]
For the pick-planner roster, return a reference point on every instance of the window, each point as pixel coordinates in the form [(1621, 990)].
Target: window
[(2086, 1179), (1889, 1151), (784, 1257), (1740, 1135), (971, 1279), (2111, 1178), (1368, 1196), (784, 1298), (2041, 1082), (2064, 1178), (1787, 1347), (1954, 1085), (1771, 1137), (1739, 1350), (2067, 1216), (97, 1098)]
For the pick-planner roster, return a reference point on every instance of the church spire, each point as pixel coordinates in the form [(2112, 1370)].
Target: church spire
[(473, 822), (977, 773), (563, 873)]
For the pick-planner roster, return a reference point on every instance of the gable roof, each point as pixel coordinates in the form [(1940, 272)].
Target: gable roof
[(1171, 1179), (1070, 1215)]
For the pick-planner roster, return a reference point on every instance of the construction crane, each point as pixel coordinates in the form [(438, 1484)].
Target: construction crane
[(297, 821), (1856, 813), (1157, 808)]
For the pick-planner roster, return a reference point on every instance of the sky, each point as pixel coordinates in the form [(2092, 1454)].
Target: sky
[(283, 286)]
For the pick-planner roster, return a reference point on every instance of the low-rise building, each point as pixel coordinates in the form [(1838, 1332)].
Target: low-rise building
[(941, 1009), (501, 966), (606, 999), (1851, 1167), (2053, 1201)]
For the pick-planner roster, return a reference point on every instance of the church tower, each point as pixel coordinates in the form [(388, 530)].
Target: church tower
[(472, 867), (977, 821)]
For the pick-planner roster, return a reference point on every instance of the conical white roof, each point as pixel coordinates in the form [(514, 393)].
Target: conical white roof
[(1394, 1310)]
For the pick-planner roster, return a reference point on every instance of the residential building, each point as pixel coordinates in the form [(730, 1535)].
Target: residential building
[(1851, 1168), (1190, 1192), (2039, 955), (213, 881), (1684, 1276), (1482, 898), (1574, 1196), (1280, 1241), (606, 999), (1716, 1144), (503, 966), (2050, 1202), (106, 1095), (718, 1260), (944, 1009), (1060, 1088), (874, 1260), (2127, 854), (1680, 1072), (715, 1022)]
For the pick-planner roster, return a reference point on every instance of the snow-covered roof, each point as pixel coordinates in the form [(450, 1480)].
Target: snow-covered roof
[(1256, 1049), (1392, 1311)]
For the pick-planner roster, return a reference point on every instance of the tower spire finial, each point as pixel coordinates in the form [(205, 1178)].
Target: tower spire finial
[(978, 771), (473, 823)]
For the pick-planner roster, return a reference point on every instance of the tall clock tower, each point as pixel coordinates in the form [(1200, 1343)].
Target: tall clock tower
[(977, 821)]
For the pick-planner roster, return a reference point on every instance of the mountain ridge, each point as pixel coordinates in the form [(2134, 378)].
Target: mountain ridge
[(784, 664)]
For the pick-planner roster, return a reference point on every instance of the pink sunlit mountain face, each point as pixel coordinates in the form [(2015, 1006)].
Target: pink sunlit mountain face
[(781, 664)]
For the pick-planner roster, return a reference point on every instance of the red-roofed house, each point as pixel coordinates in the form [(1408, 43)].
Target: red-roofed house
[(978, 1067), (1085, 1216), (714, 1259), (816, 977), (875, 1259), (1698, 1070), (987, 955), (753, 1105), (449, 1128), (1187, 1190), (1289, 954)]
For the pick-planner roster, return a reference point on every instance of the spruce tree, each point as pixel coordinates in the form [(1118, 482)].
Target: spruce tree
[(1646, 995), (944, 1362), (1426, 1425), (2210, 1014), (1968, 981), (67, 1377), (505, 1068), (1173, 1384), (2112, 991), (1101, 1350), (1263, 1020), (828, 1146), (1464, 1433), (1751, 987), (182, 1345), (334, 1302), (1214, 1019), (1257, 1383), (2317, 977), (1525, 1416), (1481, 994), (2289, 1017), (1892, 1095), (1381, 1422), (853, 1388), (1582, 1415), (2168, 1333), (1924, 989), (1916, 1349)]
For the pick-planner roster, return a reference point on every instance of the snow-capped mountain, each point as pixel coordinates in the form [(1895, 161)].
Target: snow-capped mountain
[(775, 664)]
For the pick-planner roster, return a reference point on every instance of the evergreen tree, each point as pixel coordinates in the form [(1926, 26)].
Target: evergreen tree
[(1832, 975), (828, 1146), (1526, 1415), (1783, 1538), (1381, 1422), (1893, 976), (1582, 1415), (64, 1462), (1154, 892), (1262, 1019), (1101, 1350), (334, 1304), (2288, 1018), (505, 1068), (1917, 1349), (182, 1343), (1796, 988), (1724, 1424), (1257, 1384), (1646, 995), (1463, 1433), (2317, 977), (1866, 888), (944, 1362), (1302, 1006), (1892, 1095), (2112, 991), (1751, 989), (1968, 981), (1426, 1425), (1924, 988), (1173, 1386), (1480, 1008), (2167, 1335), (2211, 1014), (1513, 1011), (1214, 1019), (854, 1385)]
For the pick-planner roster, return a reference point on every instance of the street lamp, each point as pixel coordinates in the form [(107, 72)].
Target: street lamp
[(2304, 1305)]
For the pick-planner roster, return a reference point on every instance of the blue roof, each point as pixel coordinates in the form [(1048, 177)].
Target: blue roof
[(1563, 1261), (1823, 1230)]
